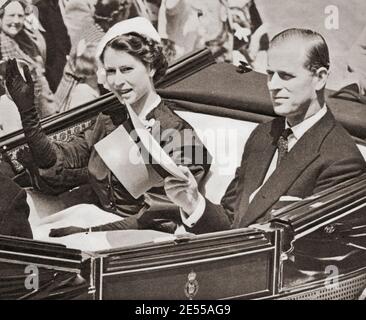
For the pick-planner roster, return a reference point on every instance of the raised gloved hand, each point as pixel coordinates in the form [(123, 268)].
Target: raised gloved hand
[(62, 232), (20, 90)]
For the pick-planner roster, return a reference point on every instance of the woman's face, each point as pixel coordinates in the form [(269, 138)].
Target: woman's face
[(13, 20), (127, 77)]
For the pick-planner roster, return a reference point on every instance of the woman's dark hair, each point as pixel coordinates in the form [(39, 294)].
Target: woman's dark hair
[(146, 50)]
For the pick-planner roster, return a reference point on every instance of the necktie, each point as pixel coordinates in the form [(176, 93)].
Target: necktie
[(282, 144)]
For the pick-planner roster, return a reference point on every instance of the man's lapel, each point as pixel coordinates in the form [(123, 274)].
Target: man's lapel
[(296, 161), (258, 162)]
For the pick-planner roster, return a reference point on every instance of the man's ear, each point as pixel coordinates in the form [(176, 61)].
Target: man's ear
[(321, 76)]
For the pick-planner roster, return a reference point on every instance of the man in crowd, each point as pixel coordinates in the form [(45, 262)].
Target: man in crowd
[(226, 27), (356, 65), (57, 40), (298, 154)]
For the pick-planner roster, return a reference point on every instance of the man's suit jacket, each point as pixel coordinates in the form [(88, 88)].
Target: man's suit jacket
[(14, 210), (323, 157)]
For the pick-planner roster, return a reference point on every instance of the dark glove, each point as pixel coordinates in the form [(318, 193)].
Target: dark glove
[(22, 92), (62, 232)]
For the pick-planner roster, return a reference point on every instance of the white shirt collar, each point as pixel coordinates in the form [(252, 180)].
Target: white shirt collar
[(300, 129), (150, 108)]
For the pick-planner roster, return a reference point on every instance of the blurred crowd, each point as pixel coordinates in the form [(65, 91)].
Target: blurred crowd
[(57, 39)]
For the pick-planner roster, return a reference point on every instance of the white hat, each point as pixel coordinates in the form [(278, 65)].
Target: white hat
[(139, 25)]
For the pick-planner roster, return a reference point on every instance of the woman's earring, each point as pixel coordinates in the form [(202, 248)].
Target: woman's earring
[(152, 73)]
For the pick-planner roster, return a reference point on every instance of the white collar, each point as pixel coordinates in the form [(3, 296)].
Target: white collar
[(300, 129), (148, 109)]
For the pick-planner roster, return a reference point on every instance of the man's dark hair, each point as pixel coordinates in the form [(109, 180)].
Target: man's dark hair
[(111, 11), (317, 52)]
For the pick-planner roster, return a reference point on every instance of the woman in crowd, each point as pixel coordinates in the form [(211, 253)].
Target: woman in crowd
[(75, 14), (132, 59), (86, 88), (16, 42), (106, 14)]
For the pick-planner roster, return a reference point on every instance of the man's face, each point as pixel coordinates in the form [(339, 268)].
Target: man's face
[(292, 87)]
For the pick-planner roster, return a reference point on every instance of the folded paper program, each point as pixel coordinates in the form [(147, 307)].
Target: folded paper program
[(157, 153), (122, 156), (130, 161)]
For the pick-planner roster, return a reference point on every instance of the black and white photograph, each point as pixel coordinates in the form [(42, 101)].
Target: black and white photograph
[(182, 154)]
